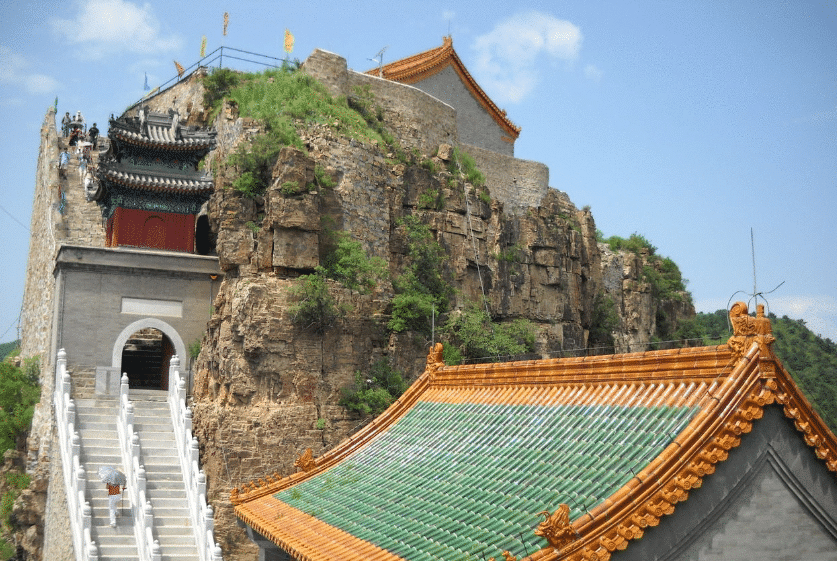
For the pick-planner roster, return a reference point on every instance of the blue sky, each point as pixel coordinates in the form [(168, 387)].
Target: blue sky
[(689, 124)]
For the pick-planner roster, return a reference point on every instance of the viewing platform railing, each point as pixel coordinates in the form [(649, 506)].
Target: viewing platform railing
[(216, 58)]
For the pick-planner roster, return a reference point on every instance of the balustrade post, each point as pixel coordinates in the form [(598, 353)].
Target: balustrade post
[(124, 389), (209, 519), (129, 416), (75, 449), (217, 553), (156, 555), (141, 480), (60, 365), (187, 421), (70, 417), (86, 518), (81, 480), (193, 457), (201, 483)]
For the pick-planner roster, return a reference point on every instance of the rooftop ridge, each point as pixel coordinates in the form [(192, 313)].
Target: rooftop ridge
[(428, 63)]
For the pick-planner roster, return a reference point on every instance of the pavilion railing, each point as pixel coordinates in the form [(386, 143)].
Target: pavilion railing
[(75, 481)]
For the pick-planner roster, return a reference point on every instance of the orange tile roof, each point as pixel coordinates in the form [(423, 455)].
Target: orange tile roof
[(428, 63), (687, 409)]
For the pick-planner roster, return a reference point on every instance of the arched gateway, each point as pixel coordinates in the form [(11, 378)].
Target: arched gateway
[(143, 350)]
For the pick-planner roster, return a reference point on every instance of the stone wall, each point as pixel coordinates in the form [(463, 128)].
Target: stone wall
[(55, 220), (518, 184), (416, 118)]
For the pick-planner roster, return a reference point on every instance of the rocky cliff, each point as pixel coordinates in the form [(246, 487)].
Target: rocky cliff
[(266, 388)]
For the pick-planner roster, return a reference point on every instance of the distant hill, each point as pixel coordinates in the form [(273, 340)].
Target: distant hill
[(6, 348), (810, 359)]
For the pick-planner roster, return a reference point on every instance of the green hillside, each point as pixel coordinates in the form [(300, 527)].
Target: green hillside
[(6, 348), (811, 360)]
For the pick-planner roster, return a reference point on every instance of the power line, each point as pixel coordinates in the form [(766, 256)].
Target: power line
[(12, 216)]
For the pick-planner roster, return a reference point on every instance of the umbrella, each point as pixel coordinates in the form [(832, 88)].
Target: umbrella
[(111, 475)]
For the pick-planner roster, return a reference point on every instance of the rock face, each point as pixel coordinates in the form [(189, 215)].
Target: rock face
[(267, 389)]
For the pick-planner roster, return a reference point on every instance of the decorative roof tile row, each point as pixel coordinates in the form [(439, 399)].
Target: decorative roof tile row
[(162, 137), (158, 183)]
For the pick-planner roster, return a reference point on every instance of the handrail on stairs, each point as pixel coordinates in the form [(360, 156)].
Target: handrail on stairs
[(200, 511), (81, 514), (129, 446)]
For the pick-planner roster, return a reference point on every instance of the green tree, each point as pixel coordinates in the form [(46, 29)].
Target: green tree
[(423, 285), (19, 392), (315, 307), (473, 334), (374, 391), (348, 264), (604, 321)]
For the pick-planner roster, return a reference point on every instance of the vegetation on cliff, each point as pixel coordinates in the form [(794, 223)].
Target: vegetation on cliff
[(279, 99), (374, 391), (661, 273), (423, 289), (810, 359), (19, 392), (471, 334)]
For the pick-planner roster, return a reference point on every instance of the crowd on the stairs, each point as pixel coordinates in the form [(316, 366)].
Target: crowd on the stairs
[(85, 142), (76, 130)]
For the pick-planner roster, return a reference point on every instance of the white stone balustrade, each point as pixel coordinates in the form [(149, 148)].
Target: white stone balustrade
[(129, 445), (75, 481), (200, 511)]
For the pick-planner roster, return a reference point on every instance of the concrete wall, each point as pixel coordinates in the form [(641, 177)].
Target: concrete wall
[(168, 291), (476, 126), (772, 499)]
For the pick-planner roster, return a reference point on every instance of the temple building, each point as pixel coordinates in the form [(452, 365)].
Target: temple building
[(150, 186), (440, 73), (693, 453)]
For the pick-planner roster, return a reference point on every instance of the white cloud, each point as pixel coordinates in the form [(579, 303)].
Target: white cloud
[(17, 71), (507, 55), (820, 118), (592, 72), (101, 27)]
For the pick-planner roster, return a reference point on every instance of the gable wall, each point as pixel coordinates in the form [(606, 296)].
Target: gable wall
[(772, 499), (476, 126)]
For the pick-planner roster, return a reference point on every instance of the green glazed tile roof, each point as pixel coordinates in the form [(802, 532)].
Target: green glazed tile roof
[(453, 480)]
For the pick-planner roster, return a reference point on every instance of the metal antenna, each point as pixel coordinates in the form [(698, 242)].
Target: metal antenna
[(753, 252), (379, 58)]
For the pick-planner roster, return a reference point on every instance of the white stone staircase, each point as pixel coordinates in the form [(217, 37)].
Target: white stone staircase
[(96, 425), (165, 487)]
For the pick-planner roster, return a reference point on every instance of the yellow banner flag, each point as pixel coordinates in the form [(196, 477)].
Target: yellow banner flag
[(179, 69), (203, 46), (289, 41), (226, 22)]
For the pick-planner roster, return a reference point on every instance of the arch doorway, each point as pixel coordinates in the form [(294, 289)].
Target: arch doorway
[(145, 359)]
